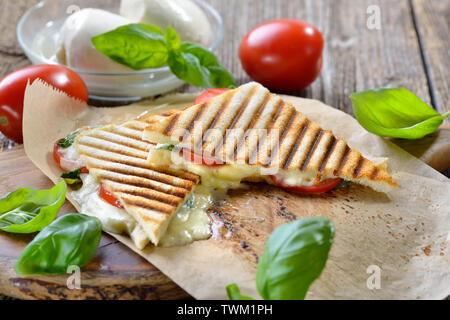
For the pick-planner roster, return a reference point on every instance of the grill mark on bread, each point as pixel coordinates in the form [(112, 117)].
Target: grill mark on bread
[(312, 149), (144, 183), (243, 109), (137, 136), (343, 160), (119, 152), (358, 167), (250, 124), (330, 149), (267, 126), (276, 149), (297, 144), (143, 203), (144, 146), (153, 195), (197, 116), (185, 184), (375, 172), (221, 113), (299, 129), (172, 124)]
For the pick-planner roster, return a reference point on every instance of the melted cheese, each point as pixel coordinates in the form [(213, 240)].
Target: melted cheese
[(70, 160), (189, 224), (113, 219), (230, 176)]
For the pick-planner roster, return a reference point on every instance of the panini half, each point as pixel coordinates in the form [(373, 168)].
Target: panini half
[(115, 160), (249, 134)]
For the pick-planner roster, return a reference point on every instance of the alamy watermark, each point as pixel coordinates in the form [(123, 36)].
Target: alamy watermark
[(74, 280), (374, 280), (373, 17)]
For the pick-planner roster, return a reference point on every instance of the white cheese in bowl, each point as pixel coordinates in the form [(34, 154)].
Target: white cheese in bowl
[(75, 48), (184, 16)]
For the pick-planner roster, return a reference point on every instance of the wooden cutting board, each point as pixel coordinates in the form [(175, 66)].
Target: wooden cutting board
[(116, 272)]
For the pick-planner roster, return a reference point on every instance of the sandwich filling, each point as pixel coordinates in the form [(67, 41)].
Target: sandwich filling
[(249, 134)]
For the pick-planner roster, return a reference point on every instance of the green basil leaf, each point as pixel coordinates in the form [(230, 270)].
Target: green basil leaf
[(71, 240), (138, 46), (199, 67), (396, 113), (234, 293), (190, 202), (344, 184), (68, 141), (294, 257), (172, 39), (168, 147), (28, 210), (73, 177)]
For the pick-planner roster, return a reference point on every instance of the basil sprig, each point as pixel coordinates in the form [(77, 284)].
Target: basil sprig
[(28, 210), (295, 255), (68, 141), (142, 46), (138, 46), (73, 177), (234, 293), (396, 113), (169, 147), (71, 240)]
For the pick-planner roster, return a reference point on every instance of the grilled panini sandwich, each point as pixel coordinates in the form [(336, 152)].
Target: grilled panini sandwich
[(126, 192), (249, 134)]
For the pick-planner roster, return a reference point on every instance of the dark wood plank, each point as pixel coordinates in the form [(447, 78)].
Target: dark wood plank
[(433, 26), (10, 13)]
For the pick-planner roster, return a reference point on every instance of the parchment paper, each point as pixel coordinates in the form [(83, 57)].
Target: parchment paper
[(403, 235)]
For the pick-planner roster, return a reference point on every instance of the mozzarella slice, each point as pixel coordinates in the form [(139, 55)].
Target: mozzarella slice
[(184, 16), (75, 48)]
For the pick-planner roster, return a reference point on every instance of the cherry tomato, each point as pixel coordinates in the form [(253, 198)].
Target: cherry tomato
[(321, 187), (203, 160), (65, 163), (209, 94), (12, 90), (283, 54), (109, 197)]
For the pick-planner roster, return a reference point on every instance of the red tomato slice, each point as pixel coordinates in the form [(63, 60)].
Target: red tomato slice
[(203, 160), (65, 164), (321, 187), (12, 89), (108, 197), (209, 94)]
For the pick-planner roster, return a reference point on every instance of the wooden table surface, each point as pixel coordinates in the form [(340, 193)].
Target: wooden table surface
[(411, 48)]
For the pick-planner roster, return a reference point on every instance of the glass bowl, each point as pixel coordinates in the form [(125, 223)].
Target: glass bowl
[(43, 21)]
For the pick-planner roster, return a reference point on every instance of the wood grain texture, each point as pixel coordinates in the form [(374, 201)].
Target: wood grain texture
[(355, 57), (115, 272), (433, 26)]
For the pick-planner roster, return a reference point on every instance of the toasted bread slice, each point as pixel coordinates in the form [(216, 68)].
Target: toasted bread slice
[(250, 128), (117, 157)]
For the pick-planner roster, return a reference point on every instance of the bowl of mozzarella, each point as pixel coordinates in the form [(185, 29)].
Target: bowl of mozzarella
[(60, 32)]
